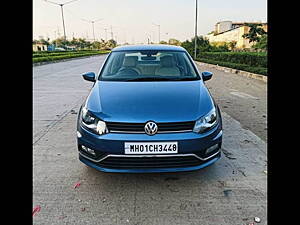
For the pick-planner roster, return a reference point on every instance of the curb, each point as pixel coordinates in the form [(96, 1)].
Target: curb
[(64, 60), (235, 71)]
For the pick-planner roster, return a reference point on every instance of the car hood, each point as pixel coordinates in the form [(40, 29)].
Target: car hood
[(143, 101)]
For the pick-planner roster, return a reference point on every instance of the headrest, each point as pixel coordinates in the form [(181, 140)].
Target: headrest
[(130, 61), (167, 61)]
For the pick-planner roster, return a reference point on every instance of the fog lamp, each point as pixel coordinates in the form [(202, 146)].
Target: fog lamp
[(88, 150), (211, 149)]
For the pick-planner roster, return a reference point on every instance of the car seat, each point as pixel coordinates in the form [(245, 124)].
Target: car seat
[(167, 67)]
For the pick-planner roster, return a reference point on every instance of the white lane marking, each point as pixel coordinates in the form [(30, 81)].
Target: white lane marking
[(242, 95)]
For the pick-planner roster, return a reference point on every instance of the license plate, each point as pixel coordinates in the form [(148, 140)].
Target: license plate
[(151, 148)]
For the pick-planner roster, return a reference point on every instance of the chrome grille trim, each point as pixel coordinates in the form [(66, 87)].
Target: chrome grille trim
[(181, 155), (139, 128), (142, 132)]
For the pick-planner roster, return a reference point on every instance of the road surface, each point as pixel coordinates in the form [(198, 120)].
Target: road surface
[(244, 99), (231, 191)]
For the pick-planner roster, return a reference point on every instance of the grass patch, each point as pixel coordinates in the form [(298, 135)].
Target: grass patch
[(254, 62), (54, 56)]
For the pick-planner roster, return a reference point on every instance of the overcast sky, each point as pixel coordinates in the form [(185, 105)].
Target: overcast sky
[(132, 20)]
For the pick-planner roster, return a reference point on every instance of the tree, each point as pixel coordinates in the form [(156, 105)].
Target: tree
[(74, 42), (202, 45), (173, 41), (262, 43), (60, 42), (232, 45), (111, 43), (163, 42), (220, 46), (188, 45), (254, 33), (83, 44), (96, 45)]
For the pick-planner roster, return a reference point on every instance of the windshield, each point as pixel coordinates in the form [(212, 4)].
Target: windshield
[(148, 65)]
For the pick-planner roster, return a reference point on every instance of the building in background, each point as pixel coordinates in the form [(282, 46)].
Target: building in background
[(37, 47), (227, 31)]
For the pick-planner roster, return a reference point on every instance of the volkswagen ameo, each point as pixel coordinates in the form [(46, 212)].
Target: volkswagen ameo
[(149, 111)]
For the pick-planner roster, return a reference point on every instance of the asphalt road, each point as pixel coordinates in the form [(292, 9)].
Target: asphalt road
[(231, 191), (57, 89)]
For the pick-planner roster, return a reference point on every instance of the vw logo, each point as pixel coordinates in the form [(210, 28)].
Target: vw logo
[(151, 128)]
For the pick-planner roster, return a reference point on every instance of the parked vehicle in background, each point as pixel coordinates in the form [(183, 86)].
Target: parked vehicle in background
[(59, 49)]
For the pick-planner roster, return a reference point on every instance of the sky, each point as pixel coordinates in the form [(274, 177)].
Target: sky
[(132, 21)]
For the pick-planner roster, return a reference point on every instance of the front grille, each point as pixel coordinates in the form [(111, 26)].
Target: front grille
[(117, 162), (139, 127), (149, 162)]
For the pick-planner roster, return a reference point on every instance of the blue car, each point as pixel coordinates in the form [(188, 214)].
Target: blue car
[(149, 111)]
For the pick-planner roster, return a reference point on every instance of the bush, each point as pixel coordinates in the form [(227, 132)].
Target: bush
[(262, 43), (56, 53), (244, 67), (254, 59), (53, 56), (203, 45)]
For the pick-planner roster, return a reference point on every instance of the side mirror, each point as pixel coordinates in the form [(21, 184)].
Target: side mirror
[(90, 76), (206, 75)]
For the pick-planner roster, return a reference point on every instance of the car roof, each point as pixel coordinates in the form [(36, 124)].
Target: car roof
[(148, 47)]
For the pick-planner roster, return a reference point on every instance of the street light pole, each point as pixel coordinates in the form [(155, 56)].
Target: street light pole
[(92, 22), (105, 34), (63, 20), (93, 31), (158, 25), (62, 13), (195, 54), (158, 33)]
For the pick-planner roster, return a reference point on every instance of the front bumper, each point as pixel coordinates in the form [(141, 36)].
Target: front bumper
[(111, 158), (149, 170)]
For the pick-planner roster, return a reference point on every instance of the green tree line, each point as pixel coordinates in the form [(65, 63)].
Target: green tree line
[(79, 43)]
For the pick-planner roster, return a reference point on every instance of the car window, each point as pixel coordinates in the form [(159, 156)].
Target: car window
[(148, 65)]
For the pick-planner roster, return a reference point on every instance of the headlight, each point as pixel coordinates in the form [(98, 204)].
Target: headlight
[(206, 122), (92, 123)]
